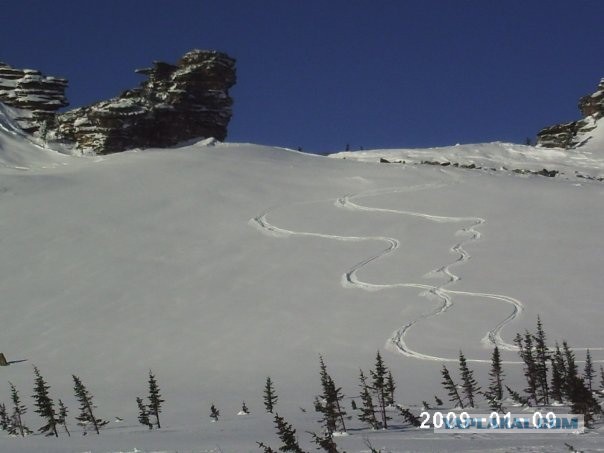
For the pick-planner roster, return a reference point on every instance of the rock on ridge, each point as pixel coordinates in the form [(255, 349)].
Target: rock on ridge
[(35, 96), (575, 133), (179, 102)]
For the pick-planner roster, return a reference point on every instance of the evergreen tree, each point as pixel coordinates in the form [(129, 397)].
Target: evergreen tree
[(155, 400), (143, 413), (451, 388), (390, 389), (329, 402), (87, 406), (495, 390), (526, 352), (4, 420), (44, 405), (287, 435), (367, 411), (270, 397), (601, 379), (409, 417), (558, 381), (62, 419), (542, 357), (379, 377), (468, 383), (439, 402), (582, 401), (244, 408), (214, 413), (517, 398), (571, 370), (588, 372), (16, 426), (266, 448), (325, 442)]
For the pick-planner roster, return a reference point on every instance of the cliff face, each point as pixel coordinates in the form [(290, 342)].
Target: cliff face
[(573, 134), (35, 95), (176, 103)]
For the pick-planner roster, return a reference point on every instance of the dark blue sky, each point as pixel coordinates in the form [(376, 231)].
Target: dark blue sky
[(321, 74)]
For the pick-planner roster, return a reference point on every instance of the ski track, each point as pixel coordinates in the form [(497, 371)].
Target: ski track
[(350, 280)]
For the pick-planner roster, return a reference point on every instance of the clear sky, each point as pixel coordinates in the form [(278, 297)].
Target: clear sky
[(323, 74)]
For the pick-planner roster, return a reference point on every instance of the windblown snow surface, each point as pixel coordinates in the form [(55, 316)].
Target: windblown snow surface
[(216, 266)]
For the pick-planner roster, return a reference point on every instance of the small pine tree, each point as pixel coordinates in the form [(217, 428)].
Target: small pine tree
[(469, 384), (527, 354), (4, 420), (495, 390), (16, 426), (439, 402), (588, 372), (379, 378), (143, 413), (244, 408), (582, 401), (287, 435), (325, 442), (270, 397), (409, 417), (425, 406), (62, 420), (367, 411), (155, 400), (390, 389), (86, 416), (451, 388), (517, 398), (542, 357), (571, 370), (329, 402), (214, 413), (558, 381), (44, 405)]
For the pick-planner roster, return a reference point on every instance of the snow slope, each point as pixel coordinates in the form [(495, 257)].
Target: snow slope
[(216, 266), (587, 160), (17, 152)]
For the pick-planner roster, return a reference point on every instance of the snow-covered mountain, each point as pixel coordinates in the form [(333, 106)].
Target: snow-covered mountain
[(217, 265)]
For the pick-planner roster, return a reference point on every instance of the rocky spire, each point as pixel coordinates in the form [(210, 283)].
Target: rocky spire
[(572, 135), (177, 102), (35, 95)]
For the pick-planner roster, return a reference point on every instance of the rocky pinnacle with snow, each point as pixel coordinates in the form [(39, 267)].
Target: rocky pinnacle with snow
[(35, 96), (176, 103), (575, 133)]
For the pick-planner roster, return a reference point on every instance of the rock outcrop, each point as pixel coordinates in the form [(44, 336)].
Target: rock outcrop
[(35, 96), (176, 103), (572, 135)]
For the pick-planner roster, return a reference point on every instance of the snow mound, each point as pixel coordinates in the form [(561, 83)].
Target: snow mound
[(587, 160)]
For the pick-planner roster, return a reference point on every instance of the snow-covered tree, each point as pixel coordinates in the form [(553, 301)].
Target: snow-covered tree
[(45, 406), (86, 416)]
